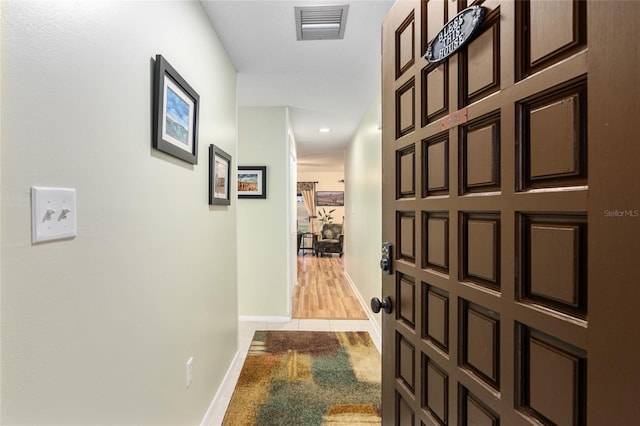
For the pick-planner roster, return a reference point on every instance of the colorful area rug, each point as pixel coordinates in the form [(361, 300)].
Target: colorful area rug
[(308, 378)]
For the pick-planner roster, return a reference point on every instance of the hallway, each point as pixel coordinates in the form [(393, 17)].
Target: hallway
[(323, 301), (323, 291), (506, 185)]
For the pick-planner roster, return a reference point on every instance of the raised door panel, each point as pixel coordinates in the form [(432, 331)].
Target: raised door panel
[(553, 253), (473, 411), (479, 153), (435, 165), (406, 366), (406, 306), (436, 391), (406, 243), (406, 166), (435, 92), (435, 226), (551, 378), (405, 109), (548, 32), (480, 342), (435, 327), (552, 140), (481, 62), (405, 45)]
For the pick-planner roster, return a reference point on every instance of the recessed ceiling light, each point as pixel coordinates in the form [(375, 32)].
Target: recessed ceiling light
[(324, 130)]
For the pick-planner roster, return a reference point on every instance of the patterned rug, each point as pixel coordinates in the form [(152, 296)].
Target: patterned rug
[(308, 378)]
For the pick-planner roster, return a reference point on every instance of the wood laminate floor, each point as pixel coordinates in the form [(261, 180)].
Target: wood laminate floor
[(323, 291)]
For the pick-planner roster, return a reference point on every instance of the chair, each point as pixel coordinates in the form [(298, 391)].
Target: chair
[(329, 240)]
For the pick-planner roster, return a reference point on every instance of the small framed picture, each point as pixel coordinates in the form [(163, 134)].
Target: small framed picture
[(219, 174), (252, 181), (175, 113), (329, 198)]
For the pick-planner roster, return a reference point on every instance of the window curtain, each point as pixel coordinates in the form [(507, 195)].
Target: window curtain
[(308, 191)]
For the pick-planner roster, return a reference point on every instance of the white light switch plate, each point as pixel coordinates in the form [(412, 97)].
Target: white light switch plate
[(53, 213)]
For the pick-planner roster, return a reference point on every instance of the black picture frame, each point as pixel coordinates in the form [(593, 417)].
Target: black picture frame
[(175, 113), (252, 182), (329, 198), (219, 176)]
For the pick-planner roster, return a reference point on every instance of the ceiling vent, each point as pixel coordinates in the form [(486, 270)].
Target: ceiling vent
[(321, 22)]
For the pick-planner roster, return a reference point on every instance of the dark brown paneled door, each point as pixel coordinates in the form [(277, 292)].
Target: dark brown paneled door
[(511, 197)]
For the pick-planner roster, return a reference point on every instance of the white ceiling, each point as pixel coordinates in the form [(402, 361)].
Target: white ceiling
[(325, 83)]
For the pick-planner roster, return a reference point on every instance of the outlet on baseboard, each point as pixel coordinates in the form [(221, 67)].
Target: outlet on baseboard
[(189, 371)]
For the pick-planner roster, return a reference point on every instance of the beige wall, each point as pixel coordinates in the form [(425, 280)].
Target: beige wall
[(97, 330), (363, 179), (263, 242), (327, 181)]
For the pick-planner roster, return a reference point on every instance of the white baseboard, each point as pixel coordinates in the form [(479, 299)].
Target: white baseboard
[(374, 324), (251, 318), (208, 418)]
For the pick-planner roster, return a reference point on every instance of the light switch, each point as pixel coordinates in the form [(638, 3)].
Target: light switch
[(53, 213)]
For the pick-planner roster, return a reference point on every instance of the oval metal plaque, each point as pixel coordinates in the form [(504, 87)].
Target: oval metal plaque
[(455, 34)]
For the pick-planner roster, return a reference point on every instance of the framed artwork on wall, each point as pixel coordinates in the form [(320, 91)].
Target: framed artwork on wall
[(252, 181), (219, 176), (329, 198), (175, 113)]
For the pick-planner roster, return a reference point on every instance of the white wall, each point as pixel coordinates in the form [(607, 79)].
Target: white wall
[(1, 62), (363, 205), (263, 236), (293, 211), (97, 330)]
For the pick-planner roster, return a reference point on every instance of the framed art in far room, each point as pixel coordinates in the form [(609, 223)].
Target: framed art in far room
[(252, 181), (175, 113), (219, 176), (329, 198)]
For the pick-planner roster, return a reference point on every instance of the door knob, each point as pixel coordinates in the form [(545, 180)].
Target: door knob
[(385, 304)]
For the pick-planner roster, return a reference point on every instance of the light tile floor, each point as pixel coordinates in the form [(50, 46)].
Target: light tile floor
[(246, 329)]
